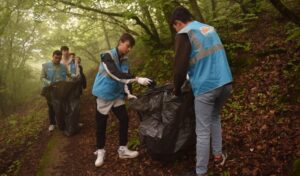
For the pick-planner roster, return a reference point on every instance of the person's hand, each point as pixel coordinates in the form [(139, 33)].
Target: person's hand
[(130, 96), (143, 81)]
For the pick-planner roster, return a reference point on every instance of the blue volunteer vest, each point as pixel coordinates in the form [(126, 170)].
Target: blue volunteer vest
[(73, 68), (54, 76), (104, 86), (208, 67)]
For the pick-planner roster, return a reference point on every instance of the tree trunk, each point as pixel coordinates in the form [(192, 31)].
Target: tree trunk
[(148, 17), (195, 8), (105, 33), (242, 5), (285, 11), (213, 8), (90, 55), (167, 11)]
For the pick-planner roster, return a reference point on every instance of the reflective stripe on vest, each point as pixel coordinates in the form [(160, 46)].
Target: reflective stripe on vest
[(114, 55), (202, 53), (106, 87), (208, 65), (73, 68), (52, 75)]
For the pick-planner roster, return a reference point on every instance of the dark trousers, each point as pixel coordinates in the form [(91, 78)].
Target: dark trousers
[(51, 114), (101, 121)]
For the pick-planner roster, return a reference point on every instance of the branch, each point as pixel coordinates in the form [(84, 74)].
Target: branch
[(111, 14), (90, 55), (114, 20), (122, 25), (285, 11)]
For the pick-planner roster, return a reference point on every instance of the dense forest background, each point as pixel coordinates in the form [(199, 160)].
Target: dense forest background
[(261, 38), (30, 30)]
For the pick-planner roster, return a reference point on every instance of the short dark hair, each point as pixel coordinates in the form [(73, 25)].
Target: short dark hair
[(64, 48), (127, 37), (72, 54), (181, 14), (57, 52), (78, 58)]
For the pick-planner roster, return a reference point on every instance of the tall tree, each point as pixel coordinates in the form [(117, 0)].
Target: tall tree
[(214, 8), (196, 10), (105, 33), (285, 11), (168, 8), (147, 15)]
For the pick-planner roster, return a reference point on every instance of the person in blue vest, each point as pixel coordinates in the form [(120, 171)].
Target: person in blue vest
[(82, 76), (68, 59), (201, 55), (53, 72), (109, 87)]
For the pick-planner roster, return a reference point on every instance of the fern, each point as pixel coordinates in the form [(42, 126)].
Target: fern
[(293, 34)]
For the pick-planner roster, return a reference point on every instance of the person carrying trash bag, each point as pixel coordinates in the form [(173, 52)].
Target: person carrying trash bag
[(167, 122), (201, 55), (72, 106), (62, 96), (52, 72), (109, 87)]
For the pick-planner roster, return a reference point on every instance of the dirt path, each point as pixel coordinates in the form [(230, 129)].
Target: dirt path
[(45, 155), (260, 131), (80, 159), (54, 155)]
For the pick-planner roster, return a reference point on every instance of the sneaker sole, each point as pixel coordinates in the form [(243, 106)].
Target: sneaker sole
[(126, 157), (102, 161), (99, 164)]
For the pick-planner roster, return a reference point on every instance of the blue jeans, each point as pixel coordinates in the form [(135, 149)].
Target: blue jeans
[(208, 124)]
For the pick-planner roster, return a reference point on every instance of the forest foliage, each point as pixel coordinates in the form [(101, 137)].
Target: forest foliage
[(31, 29)]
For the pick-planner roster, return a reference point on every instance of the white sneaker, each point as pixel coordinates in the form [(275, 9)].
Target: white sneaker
[(100, 157), (124, 152), (51, 127)]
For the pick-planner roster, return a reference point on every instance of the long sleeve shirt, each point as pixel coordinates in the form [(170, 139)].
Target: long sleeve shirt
[(113, 69), (181, 62), (57, 70), (67, 63), (82, 77)]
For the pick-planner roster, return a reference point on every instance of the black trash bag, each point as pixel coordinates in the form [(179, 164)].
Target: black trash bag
[(64, 96), (167, 122)]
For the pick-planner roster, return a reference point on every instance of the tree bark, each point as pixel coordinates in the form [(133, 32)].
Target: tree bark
[(195, 8), (90, 55), (148, 17), (213, 8), (167, 11), (285, 11), (242, 5), (105, 33)]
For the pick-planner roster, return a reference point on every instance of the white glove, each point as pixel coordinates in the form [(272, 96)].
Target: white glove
[(144, 81), (130, 96)]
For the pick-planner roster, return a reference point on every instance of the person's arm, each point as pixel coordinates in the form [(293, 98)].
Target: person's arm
[(83, 79), (77, 70), (43, 77), (181, 62), (128, 93), (68, 74), (112, 70)]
